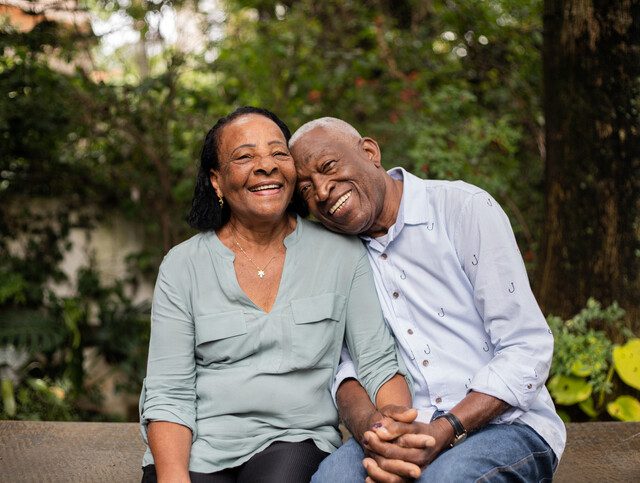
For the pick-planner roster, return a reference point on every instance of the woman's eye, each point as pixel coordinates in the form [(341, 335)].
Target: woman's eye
[(242, 158), (281, 154)]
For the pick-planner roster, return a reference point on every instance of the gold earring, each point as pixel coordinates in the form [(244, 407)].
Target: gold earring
[(220, 201)]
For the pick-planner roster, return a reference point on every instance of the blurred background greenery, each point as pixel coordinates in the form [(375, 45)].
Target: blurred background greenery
[(104, 105)]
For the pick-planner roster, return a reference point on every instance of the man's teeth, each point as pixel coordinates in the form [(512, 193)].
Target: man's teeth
[(266, 187), (339, 203)]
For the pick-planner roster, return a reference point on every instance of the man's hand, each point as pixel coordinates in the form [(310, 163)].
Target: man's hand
[(399, 446)]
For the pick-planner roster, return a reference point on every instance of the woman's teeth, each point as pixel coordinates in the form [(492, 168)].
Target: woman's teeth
[(265, 187)]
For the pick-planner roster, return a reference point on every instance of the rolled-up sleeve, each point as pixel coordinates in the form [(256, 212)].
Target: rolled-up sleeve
[(168, 392), (369, 340), (522, 341)]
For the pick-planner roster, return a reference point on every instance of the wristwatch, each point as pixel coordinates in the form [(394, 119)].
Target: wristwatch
[(459, 433)]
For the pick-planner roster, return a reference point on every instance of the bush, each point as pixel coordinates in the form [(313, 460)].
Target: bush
[(595, 373)]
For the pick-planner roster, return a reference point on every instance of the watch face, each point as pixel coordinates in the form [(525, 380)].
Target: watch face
[(460, 439)]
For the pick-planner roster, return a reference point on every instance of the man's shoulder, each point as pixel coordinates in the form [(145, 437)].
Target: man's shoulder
[(450, 195), (458, 188)]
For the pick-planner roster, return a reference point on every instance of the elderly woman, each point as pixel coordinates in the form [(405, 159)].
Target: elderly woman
[(248, 322)]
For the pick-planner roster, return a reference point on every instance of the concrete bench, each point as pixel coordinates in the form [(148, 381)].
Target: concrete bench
[(32, 451)]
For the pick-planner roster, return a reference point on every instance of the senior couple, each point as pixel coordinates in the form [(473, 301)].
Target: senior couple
[(421, 332)]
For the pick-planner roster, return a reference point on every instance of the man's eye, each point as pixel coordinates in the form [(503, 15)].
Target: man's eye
[(304, 189), (328, 165), (281, 154)]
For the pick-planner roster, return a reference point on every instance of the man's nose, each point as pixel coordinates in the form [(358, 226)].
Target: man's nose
[(323, 188)]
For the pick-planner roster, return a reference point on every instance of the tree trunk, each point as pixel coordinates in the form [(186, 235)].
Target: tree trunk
[(591, 243)]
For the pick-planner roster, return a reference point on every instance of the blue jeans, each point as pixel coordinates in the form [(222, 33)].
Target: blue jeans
[(497, 452)]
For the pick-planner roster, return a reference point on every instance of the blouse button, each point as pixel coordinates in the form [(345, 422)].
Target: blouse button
[(396, 295), (410, 331), (438, 400), (529, 386), (425, 363), (383, 256)]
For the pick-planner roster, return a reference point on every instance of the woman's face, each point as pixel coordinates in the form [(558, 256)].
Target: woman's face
[(257, 176)]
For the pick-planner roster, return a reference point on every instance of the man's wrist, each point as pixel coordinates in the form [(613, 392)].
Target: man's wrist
[(445, 433), (459, 431)]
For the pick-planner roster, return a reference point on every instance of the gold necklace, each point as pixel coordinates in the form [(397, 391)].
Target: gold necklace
[(261, 272)]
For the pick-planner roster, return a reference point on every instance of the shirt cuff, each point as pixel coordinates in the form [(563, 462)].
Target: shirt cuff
[(517, 386), (163, 411), (346, 370)]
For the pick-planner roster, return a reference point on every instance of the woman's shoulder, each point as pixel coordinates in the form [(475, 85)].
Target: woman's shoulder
[(190, 249), (317, 235)]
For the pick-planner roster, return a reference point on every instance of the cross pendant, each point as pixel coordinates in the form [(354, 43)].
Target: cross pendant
[(261, 273)]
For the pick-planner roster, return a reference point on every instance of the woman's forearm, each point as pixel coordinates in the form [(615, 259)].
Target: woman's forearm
[(394, 392), (170, 445), (358, 412)]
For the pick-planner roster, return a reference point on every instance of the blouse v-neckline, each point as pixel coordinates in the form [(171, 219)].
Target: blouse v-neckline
[(230, 279)]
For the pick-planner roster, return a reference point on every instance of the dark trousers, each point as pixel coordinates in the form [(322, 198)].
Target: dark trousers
[(281, 462)]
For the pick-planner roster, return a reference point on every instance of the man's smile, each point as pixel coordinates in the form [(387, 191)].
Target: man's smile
[(340, 203)]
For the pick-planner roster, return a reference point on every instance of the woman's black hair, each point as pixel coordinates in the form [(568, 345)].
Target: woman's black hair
[(206, 213)]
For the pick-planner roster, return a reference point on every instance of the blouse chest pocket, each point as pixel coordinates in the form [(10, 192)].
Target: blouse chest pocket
[(316, 329), (222, 340)]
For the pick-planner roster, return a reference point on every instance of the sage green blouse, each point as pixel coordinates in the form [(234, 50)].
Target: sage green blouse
[(241, 378)]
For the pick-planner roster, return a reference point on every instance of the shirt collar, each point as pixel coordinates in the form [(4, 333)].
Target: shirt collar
[(413, 205)]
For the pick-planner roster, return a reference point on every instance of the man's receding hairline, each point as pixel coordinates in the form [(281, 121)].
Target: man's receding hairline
[(330, 123)]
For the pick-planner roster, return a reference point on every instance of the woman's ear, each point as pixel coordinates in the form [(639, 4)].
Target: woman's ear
[(213, 178), (371, 148)]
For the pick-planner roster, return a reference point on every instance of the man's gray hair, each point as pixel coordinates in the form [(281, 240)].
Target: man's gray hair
[(331, 123)]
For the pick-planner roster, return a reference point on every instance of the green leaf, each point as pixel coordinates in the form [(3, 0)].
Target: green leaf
[(8, 397), (625, 408), (626, 360), (568, 390), (580, 369), (588, 408)]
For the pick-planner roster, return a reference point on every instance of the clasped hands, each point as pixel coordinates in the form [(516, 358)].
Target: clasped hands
[(398, 447)]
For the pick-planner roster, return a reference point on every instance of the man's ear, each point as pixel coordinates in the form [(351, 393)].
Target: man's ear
[(213, 178), (370, 146)]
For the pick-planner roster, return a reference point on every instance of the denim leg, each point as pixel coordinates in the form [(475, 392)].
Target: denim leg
[(342, 466), (496, 453)]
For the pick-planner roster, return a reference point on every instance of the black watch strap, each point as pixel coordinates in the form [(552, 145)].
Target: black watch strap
[(459, 432)]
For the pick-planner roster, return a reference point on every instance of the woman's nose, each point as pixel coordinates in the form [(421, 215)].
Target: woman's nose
[(266, 164)]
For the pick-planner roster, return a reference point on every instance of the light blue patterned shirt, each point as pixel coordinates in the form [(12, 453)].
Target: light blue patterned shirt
[(455, 292)]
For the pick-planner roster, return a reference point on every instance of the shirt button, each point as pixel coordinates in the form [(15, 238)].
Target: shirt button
[(438, 400), (383, 256), (529, 386), (396, 295), (425, 363)]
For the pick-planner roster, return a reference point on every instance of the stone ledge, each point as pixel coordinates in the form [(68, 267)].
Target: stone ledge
[(33, 451)]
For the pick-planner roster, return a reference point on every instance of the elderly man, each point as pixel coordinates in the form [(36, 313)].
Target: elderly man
[(455, 292)]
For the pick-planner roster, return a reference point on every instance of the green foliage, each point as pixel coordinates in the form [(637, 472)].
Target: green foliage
[(450, 89), (626, 360), (585, 355)]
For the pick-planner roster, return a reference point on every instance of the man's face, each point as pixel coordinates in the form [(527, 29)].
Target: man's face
[(341, 179)]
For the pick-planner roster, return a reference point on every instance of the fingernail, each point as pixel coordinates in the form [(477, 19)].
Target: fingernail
[(377, 426)]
